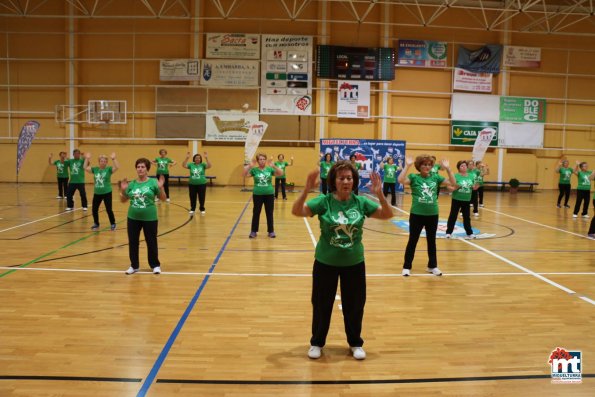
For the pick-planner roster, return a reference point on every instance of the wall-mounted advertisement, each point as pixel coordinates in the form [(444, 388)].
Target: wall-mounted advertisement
[(232, 45), (228, 126), (179, 70), (522, 110), (466, 132), (232, 73), (286, 75), (422, 53), (353, 99), (369, 153), (522, 57), (470, 81)]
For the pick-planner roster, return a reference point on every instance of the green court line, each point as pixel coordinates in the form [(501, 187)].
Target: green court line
[(53, 252)]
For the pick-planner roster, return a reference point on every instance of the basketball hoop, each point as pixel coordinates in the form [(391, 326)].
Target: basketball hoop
[(105, 120)]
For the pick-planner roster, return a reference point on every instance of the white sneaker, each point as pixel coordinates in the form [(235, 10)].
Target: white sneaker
[(131, 270), (434, 270), (202, 212), (470, 237), (191, 212), (59, 197), (70, 209), (167, 200), (573, 215), (157, 270), (84, 208), (358, 353), (586, 216), (480, 205), (315, 352), (405, 272), (448, 236), (476, 214)]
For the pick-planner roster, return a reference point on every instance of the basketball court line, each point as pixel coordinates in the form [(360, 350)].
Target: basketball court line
[(39, 220)]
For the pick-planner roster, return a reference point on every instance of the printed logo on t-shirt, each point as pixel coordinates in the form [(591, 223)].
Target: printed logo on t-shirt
[(162, 164), (344, 228), (263, 178), (75, 168), (465, 186), (427, 192), (60, 167), (100, 179), (196, 172), (139, 197)]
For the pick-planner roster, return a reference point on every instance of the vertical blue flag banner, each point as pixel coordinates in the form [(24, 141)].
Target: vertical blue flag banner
[(369, 153), (484, 60), (25, 139)]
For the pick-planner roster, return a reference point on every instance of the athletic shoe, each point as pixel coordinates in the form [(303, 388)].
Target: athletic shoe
[(202, 212), (252, 235), (95, 226), (69, 209), (167, 200), (585, 216), (272, 235), (573, 215), (476, 214), (559, 206), (157, 270), (191, 212), (591, 236), (358, 353), (113, 227), (434, 270), (470, 237), (131, 270), (314, 352), (84, 208), (566, 206), (448, 235), (405, 272), (480, 205), (59, 197)]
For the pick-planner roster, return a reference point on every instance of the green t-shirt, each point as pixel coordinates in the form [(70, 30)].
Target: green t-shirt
[(390, 173), (281, 165), (565, 174), (325, 168), (584, 183), (197, 174), (466, 182), (163, 165), (61, 168), (425, 193), (103, 180), (356, 165), (142, 200), (435, 169), (478, 177), (77, 173), (341, 228), (263, 180)]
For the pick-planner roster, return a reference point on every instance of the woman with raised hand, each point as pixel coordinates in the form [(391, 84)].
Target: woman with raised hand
[(461, 198), (263, 193), (357, 167), (583, 189), (484, 171), (340, 252), (163, 163), (564, 182), (197, 183), (390, 179), (325, 165), (142, 214), (281, 180), (102, 187), (61, 173), (424, 207)]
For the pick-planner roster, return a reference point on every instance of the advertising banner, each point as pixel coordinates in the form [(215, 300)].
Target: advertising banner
[(232, 73), (522, 110), (353, 99), (422, 53), (228, 126), (522, 57), (470, 81), (369, 153), (26, 137), (179, 70), (483, 60), (286, 75), (233, 46), (466, 132)]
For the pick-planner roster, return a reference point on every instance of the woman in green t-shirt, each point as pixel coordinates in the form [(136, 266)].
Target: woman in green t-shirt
[(197, 183), (263, 192), (163, 163), (357, 167), (583, 189), (465, 184), (142, 214), (424, 207), (61, 173), (339, 252), (102, 187), (563, 182), (280, 180), (390, 179), (325, 166), (483, 171)]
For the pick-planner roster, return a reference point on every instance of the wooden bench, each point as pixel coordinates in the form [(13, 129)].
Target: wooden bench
[(502, 185), (180, 177)]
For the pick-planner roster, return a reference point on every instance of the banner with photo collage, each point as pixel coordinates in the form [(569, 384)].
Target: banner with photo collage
[(369, 153), (286, 75), (422, 54)]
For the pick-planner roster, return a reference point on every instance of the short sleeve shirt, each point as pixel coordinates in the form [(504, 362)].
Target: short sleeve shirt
[(281, 165), (142, 200), (584, 183), (390, 173), (197, 174), (263, 180), (61, 168), (341, 228), (77, 173), (565, 174), (325, 168), (102, 180), (424, 193), (465, 182), (163, 165)]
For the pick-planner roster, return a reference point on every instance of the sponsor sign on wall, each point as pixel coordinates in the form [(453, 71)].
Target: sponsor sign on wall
[(422, 53), (522, 57), (233, 45), (179, 70), (466, 132), (232, 73), (522, 110), (228, 126), (470, 81), (353, 99)]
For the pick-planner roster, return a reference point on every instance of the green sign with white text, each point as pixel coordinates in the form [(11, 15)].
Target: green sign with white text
[(522, 110), (465, 132)]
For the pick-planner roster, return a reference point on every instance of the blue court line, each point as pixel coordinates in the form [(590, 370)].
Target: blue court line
[(172, 338)]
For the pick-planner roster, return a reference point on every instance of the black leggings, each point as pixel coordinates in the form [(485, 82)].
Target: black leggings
[(388, 186), (480, 194), (353, 300), (474, 200), (582, 196), (150, 231), (107, 198), (416, 225), (564, 189), (268, 200), (455, 207), (323, 185), (201, 191), (62, 186), (73, 187), (280, 182)]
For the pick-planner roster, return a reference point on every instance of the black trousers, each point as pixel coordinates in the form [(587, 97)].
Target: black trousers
[(150, 231), (480, 194), (201, 192), (564, 189), (353, 300), (416, 225), (62, 186), (474, 200), (582, 196), (592, 226), (280, 182), (165, 183), (386, 187), (268, 200), (72, 187), (107, 199), (455, 207), (323, 185)]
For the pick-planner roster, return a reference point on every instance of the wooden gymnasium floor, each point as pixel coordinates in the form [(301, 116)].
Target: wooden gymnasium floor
[(230, 316)]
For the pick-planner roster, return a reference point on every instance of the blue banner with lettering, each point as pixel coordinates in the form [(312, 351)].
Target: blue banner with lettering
[(484, 60)]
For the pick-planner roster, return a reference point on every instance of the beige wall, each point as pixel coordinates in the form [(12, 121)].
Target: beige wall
[(119, 59)]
